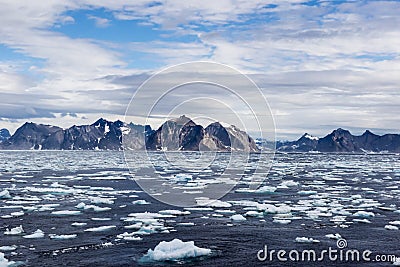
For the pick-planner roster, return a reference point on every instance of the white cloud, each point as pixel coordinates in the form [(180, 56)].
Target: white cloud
[(332, 64)]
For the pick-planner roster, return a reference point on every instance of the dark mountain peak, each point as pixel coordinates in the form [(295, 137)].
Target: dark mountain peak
[(307, 137), (368, 132), (216, 129), (101, 122), (216, 124), (183, 120), (340, 131)]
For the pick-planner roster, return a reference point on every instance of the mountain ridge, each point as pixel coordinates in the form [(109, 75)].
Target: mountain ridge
[(341, 140), (179, 134)]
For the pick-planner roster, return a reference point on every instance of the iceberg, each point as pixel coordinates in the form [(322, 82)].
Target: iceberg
[(4, 262), (14, 231), (100, 228), (391, 227), (237, 218), (66, 212), (5, 194), (62, 237), (175, 250), (37, 234)]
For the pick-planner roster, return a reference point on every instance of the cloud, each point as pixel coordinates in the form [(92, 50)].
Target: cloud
[(100, 22), (319, 63)]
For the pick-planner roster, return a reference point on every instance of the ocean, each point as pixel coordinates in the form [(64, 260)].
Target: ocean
[(84, 208)]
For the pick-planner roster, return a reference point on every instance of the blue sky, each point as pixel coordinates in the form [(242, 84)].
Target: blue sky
[(319, 63)]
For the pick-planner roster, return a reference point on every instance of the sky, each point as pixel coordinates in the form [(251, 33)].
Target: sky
[(320, 64)]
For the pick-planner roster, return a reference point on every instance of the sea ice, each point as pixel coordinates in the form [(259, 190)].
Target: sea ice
[(4, 262), (62, 237), (100, 228), (237, 218), (363, 214), (5, 194), (14, 231), (8, 248), (334, 236), (215, 203), (175, 250), (391, 227), (140, 202), (306, 240), (66, 212), (37, 234), (174, 212)]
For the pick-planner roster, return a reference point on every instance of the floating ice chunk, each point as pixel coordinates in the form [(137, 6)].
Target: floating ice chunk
[(14, 231), (140, 202), (174, 212), (4, 262), (391, 227), (237, 218), (394, 222), (306, 240), (265, 189), (203, 201), (362, 220), (8, 248), (66, 212), (100, 219), (100, 200), (62, 237), (364, 214), (282, 221), (78, 224), (396, 262), (100, 228), (37, 234), (129, 237), (175, 250), (94, 207), (5, 194), (288, 183), (334, 236), (17, 214)]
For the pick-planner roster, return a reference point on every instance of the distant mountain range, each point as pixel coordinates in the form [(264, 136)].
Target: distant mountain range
[(173, 135), (182, 134), (341, 140)]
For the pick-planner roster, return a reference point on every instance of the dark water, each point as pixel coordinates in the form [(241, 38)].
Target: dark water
[(313, 194)]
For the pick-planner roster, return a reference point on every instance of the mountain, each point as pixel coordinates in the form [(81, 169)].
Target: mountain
[(183, 134), (305, 143), (341, 140), (4, 135), (175, 134)]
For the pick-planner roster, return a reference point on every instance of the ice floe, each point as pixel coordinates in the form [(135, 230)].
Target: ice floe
[(14, 231), (62, 237), (66, 212), (101, 228), (5, 194), (175, 250), (391, 227), (37, 234), (4, 262), (306, 240), (237, 218)]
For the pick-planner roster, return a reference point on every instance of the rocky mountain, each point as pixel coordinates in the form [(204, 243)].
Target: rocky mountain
[(341, 140), (176, 134), (183, 134), (4, 135)]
